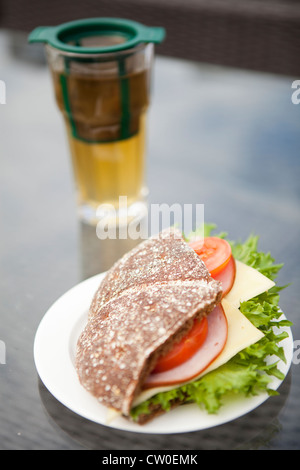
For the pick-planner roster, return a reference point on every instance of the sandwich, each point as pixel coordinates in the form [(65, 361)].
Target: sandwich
[(167, 318)]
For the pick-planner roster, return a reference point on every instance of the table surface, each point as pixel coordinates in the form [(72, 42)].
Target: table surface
[(225, 138)]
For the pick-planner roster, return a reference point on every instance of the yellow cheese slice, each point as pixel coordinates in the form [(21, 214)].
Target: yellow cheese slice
[(111, 415), (248, 284), (241, 334)]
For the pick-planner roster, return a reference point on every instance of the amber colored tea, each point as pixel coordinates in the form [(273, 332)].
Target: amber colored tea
[(105, 118), (101, 69), (105, 171)]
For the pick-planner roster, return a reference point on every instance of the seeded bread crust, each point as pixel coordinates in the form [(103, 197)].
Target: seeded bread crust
[(146, 302)]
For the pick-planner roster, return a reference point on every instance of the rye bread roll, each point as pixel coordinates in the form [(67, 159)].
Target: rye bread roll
[(147, 301)]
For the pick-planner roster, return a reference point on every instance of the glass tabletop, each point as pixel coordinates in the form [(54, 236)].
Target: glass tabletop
[(225, 138)]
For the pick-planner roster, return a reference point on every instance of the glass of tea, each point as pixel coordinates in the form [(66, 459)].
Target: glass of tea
[(101, 70)]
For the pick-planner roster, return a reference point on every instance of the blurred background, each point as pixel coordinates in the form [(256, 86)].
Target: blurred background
[(257, 34), (223, 132)]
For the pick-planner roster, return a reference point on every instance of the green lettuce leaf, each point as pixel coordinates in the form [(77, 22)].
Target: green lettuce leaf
[(247, 373)]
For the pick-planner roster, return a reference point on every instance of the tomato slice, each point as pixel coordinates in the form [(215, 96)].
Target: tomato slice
[(211, 348), (186, 348), (215, 253)]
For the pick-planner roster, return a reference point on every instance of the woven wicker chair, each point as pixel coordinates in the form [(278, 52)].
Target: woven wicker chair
[(260, 35)]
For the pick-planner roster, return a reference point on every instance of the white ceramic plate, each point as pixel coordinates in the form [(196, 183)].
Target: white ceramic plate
[(54, 354)]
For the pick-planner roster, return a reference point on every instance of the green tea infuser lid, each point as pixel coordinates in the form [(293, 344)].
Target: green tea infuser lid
[(97, 35)]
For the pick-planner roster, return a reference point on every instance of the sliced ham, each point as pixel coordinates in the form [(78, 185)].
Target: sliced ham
[(227, 276), (206, 354)]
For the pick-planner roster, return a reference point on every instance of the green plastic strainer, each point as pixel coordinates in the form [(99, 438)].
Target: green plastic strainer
[(105, 34)]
